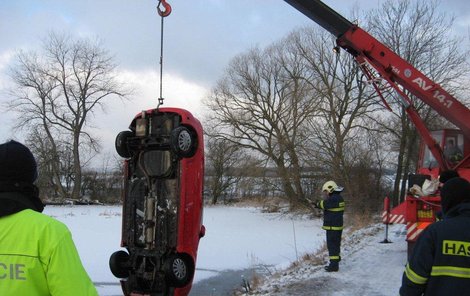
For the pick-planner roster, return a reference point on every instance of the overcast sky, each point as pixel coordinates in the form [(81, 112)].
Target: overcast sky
[(201, 36)]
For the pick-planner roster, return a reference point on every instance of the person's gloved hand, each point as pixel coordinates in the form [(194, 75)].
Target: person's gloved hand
[(316, 204)]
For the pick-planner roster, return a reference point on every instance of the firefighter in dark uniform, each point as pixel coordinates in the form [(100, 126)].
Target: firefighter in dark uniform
[(333, 209), (440, 263)]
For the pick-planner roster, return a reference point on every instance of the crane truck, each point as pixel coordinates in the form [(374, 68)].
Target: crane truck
[(379, 63)]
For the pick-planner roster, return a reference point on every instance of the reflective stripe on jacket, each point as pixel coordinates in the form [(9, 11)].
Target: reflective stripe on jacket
[(39, 258), (333, 209), (440, 263)]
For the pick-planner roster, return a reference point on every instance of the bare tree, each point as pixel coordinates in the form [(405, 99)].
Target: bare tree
[(368, 184), (417, 32), (262, 104), (42, 148), (59, 90), (225, 161), (104, 183), (339, 131)]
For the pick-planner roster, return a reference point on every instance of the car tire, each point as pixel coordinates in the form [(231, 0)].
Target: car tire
[(183, 142), (121, 144), (178, 270), (118, 263)]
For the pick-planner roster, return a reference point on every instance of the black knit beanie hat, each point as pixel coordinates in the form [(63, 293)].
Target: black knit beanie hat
[(17, 163), (18, 171), (455, 191)]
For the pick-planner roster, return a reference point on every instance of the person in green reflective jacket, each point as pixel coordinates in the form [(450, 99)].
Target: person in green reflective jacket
[(37, 254)]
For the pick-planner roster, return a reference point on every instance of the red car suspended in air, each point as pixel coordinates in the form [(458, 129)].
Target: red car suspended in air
[(162, 202)]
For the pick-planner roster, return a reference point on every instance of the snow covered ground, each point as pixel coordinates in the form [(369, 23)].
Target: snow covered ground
[(244, 238), (368, 267)]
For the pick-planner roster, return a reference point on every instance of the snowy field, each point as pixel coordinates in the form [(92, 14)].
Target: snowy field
[(236, 239)]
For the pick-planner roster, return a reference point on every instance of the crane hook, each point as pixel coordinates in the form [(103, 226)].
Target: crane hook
[(167, 11)]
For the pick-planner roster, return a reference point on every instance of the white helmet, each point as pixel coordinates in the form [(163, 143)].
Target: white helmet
[(331, 186)]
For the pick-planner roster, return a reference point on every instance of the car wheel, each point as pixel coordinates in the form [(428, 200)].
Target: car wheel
[(118, 263), (183, 142), (178, 270), (121, 144)]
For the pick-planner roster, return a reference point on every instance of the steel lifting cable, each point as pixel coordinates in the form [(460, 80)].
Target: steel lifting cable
[(162, 13)]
